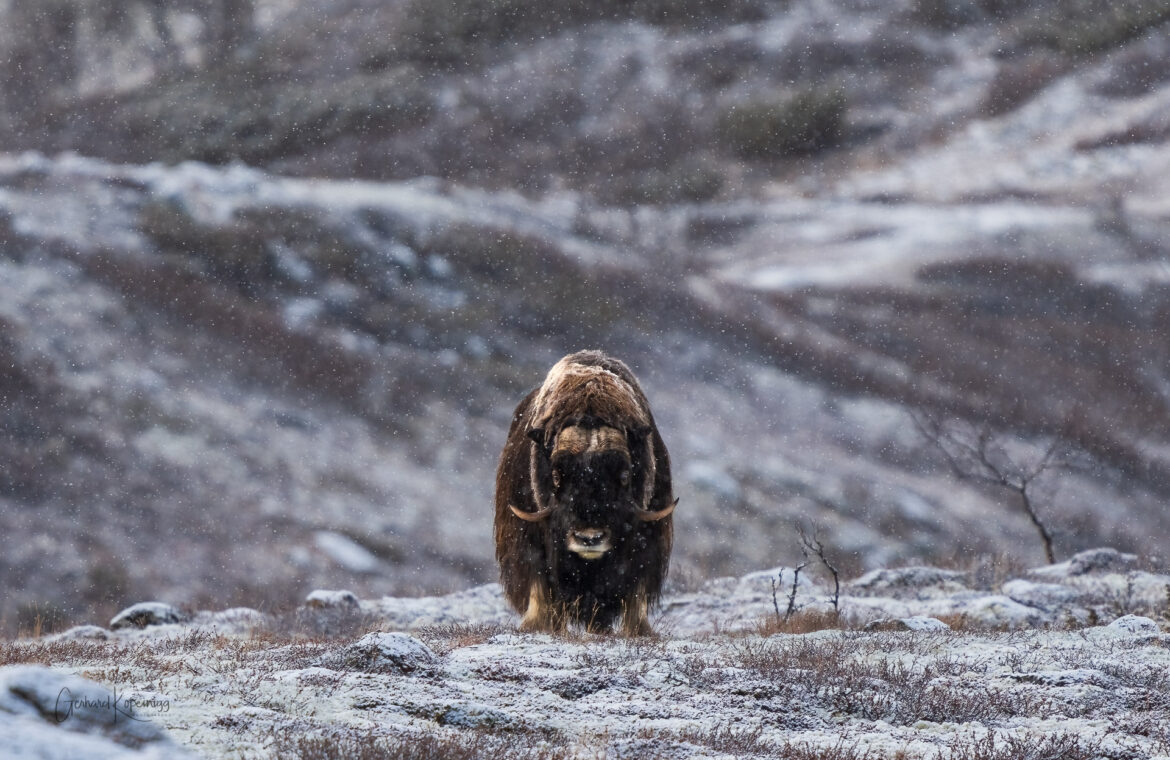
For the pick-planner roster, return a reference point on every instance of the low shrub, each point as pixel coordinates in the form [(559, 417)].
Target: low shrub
[(807, 121)]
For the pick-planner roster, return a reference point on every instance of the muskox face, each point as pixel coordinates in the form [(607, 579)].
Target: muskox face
[(592, 496)]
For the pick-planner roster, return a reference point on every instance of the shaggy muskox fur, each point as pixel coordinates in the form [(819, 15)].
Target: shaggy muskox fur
[(583, 501)]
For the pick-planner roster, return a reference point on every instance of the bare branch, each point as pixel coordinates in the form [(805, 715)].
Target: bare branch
[(813, 544), (791, 609), (976, 455)]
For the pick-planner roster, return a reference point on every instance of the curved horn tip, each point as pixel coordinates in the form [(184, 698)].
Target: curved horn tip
[(658, 515), (536, 516)]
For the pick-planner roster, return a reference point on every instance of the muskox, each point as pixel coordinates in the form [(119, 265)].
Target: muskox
[(583, 501)]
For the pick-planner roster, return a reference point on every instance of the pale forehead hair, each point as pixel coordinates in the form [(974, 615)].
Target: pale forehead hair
[(577, 440), (595, 389)]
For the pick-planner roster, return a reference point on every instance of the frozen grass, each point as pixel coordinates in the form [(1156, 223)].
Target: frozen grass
[(491, 693)]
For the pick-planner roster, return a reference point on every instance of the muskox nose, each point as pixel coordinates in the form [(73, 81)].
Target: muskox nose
[(589, 543), (590, 537)]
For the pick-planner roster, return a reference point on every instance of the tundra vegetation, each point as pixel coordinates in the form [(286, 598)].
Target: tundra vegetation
[(1068, 671), (226, 380)]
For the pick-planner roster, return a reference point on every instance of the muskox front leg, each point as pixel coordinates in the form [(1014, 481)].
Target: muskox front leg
[(541, 616), (634, 619)]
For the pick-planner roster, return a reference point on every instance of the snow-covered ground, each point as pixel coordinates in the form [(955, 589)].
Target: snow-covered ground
[(1067, 661)]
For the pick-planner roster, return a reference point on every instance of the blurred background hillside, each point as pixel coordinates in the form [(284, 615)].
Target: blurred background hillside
[(274, 273)]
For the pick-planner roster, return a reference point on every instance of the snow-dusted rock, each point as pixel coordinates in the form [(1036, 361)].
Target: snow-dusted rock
[(1133, 625), (993, 611), (144, 614), (726, 604), (914, 582), (482, 604), (46, 714), (235, 620), (381, 652), (336, 600), (1046, 596), (917, 623), (1103, 560), (81, 633)]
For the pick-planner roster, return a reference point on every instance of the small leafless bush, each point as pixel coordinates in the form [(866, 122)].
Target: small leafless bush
[(993, 746), (794, 619), (730, 740), (802, 621), (979, 454), (41, 652)]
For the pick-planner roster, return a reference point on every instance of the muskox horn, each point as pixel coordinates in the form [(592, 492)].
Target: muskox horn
[(536, 516), (647, 516)]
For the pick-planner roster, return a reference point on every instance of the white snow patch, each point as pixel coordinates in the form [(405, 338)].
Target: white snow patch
[(346, 552)]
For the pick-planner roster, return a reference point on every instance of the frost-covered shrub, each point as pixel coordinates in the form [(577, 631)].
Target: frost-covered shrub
[(808, 121)]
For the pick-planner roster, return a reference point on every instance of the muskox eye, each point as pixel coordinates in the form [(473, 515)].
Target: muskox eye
[(556, 476), (625, 477)]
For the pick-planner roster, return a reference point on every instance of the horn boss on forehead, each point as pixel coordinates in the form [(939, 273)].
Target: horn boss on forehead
[(583, 520)]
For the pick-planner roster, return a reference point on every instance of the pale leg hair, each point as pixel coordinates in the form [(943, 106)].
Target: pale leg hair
[(634, 620), (540, 615)]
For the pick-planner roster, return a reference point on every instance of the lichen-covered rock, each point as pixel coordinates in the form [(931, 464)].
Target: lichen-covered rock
[(1046, 596), (1103, 560), (46, 714), (145, 614), (382, 653), (914, 582), (1133, 625)]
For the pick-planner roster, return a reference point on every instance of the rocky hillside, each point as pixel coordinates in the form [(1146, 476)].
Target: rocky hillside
[(883, 268), (1064, 662)]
